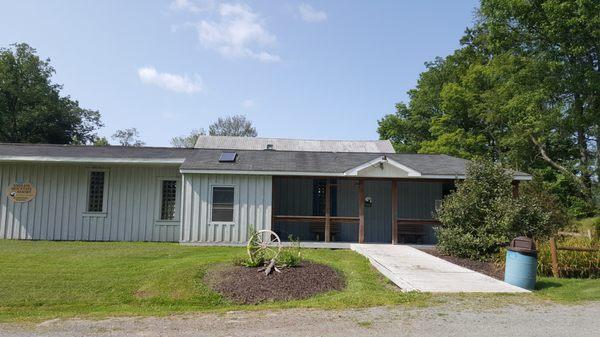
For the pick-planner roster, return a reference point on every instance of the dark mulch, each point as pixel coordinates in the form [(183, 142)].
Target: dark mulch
[(487, 268), (248, 286)]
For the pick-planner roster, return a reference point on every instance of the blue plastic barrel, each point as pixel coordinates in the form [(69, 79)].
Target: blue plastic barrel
[(521, 269)]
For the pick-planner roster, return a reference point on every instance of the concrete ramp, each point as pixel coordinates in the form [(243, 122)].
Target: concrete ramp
[(414, 270)]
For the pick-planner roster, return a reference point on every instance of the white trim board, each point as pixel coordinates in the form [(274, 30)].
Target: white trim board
[(383, 159)]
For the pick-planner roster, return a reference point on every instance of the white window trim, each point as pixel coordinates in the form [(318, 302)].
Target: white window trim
[(212, 187), (157, 220), (104, 211)]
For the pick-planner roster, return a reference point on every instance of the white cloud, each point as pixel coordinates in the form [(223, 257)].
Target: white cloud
[(193, 6), (249, 103), (172, 82), (239, 32), (309, 14)]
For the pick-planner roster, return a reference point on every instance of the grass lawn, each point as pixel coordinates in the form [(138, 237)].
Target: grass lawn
[(568, 290), (42, 280)]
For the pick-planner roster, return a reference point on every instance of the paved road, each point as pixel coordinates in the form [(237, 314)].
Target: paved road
[(458, 317), (412, 269)]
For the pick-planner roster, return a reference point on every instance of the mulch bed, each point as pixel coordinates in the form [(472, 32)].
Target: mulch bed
[(249, 286), (487, 268)]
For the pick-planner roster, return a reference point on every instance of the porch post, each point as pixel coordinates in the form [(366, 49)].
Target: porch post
[(394, 212), (361, 211), (328, 211)]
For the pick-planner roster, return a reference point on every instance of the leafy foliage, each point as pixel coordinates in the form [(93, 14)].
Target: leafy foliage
[(32, 109), (482, 214), (128, 137), (523, 90), (187, 141), (236, 125), (571, 264)]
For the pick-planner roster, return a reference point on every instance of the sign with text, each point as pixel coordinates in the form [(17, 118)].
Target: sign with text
[(21, 192)]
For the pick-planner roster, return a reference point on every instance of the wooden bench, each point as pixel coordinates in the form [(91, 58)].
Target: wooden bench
[(318, 230), (413, 229)]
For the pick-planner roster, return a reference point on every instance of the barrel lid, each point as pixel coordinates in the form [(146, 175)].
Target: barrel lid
[(522, 244)]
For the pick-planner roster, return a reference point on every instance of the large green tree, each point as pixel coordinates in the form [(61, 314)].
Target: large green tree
[(32, 109), (523, 89)]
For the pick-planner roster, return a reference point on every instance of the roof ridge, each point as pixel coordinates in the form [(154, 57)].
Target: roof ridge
[(302, 139), (95, 146)]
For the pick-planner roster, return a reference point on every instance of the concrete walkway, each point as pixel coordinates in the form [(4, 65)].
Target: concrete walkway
[(411, 269)]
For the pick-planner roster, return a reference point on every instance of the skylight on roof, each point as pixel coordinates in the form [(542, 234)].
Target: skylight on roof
[(227, 157)]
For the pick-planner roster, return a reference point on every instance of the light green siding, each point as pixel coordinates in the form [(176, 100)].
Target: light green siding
[(58, 212)]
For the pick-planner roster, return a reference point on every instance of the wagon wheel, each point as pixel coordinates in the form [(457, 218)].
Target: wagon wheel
[(264, 243)]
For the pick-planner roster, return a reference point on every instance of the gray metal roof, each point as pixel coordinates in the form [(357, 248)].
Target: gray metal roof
[(282, 144), (269, 162)]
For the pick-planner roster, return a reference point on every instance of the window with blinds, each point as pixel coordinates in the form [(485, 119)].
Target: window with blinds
[(222, 204), (168, 197)]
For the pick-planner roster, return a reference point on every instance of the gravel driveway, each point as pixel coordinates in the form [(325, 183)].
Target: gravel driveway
[(458, 317)]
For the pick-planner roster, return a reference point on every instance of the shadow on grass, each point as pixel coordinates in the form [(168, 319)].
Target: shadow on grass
[(541, 285)]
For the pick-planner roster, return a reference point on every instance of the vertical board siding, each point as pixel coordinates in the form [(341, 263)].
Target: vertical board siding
[(58, 210), (252, 207)]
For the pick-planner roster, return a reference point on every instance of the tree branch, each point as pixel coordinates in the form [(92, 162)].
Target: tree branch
[(555, 164)]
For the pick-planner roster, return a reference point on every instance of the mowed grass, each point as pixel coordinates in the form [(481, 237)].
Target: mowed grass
[(568, 290), (43, 280)]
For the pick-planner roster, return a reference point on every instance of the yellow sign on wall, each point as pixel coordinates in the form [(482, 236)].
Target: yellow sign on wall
[(23, 192)]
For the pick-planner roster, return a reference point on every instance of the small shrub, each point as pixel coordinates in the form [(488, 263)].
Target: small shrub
[(246, 261)]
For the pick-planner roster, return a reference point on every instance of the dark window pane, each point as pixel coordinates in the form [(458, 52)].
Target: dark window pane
[(168, 199), (222, 204), (227, 157), (224, 215), (96, 192), (223, 195)]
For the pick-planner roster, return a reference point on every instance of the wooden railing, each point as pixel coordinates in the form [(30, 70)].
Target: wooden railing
[(554, 248)]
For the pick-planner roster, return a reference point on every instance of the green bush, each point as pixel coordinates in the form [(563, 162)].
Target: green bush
[(571, 263), (482, 214), (596, 226)]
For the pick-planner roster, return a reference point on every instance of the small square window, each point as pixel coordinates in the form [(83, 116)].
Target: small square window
[(168, 199), (222, 204), (96, 191)]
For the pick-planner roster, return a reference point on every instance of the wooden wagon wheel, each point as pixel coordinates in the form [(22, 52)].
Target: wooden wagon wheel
[(264, 243)]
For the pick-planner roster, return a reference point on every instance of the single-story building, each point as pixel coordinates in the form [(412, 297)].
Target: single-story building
[(217, 192)]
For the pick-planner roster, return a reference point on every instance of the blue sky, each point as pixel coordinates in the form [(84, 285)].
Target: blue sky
[(299, 69)]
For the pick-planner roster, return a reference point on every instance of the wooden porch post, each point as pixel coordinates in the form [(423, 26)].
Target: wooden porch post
[(328, 211), (394, 212), (361, 211)]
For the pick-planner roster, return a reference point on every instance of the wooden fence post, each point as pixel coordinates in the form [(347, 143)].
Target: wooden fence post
[(554, 257)]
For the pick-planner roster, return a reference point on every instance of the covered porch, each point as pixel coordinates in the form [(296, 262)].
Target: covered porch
[(357, 209)]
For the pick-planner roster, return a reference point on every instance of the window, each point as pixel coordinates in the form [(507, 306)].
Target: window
[(168, 197), (96, 191), (222, 204), (227, 157)]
